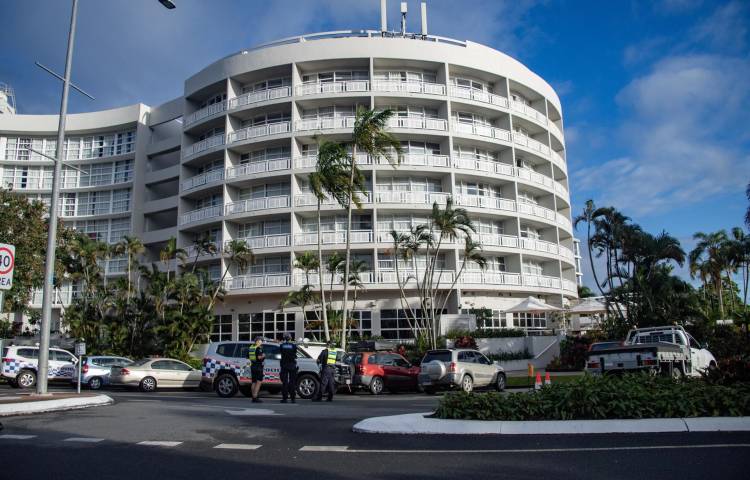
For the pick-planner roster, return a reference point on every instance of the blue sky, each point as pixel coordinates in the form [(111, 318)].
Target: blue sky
[(655, 93)]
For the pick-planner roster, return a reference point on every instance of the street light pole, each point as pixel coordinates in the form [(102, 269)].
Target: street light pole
[(49, 266)]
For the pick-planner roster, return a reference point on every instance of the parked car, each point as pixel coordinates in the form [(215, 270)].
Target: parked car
[(459, 368), (19, 365), (598, 346), (96, 370), (376, 371), (149, 374), (226, 370)]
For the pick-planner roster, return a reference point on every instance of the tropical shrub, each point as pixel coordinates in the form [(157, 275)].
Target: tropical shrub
[(465, 342), (486, 333), (508, 356)]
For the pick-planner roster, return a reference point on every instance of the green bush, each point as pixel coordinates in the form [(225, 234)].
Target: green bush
[(729, 372), (486, 333), (508, 356), (603, 397)]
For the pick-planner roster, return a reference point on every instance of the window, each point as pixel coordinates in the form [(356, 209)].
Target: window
[(266, 324), (119, 227), (222, 328), (497, 320), (161, 365), (123, 171), (179, 366), (395, 324), (121, 200), (28, 352), (530, 320)]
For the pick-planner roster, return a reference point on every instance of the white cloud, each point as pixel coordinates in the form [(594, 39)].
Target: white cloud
[(726, 28)]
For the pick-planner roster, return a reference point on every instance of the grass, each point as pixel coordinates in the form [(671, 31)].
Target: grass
[(520, 382)]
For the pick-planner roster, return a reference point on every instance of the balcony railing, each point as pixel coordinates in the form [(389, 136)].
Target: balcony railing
[(266, 241), (481, 130), (203, 179), (243, 282), (530, 143), (478, 96), (541, 281), (205, 112), (406, 197), (324, 123), (408, 277), (331, 238), (565, 252), (489, 278), (201, 214), (498, 240), (564, 221), (300, 279), (408, 87), (270, 165), (253, 204), (310, 161), (259, 96), (479, 201), (569, 285), (539, 245), (421, 160), (558, 160), (314, 88), (256, 131), (528, 111), (204, 145), (531, 175), (536, 210), (308, 199), (193, 251), (418, 123)]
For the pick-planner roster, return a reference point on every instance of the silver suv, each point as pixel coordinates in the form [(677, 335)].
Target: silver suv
[(459, 368)]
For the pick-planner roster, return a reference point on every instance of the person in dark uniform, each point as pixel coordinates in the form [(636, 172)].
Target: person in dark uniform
[(288, 369), (327, 360), (256, 368)]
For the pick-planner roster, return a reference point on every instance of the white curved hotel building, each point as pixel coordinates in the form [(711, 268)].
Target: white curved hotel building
[(231, 159)]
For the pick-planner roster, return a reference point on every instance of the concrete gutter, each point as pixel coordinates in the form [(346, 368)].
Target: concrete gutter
[(8, 409), (418, 423)]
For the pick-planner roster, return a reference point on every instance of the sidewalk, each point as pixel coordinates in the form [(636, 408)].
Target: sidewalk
[(25, 404)]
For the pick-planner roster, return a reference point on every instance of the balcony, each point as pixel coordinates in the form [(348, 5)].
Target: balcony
[(331, 123), (564, 221), (481, 131), (569, 285), (530, 143), (245, 282), (256, 131), (478, 96), (204, 145), (485, 166), (410, 198), (349, 86), (311, 161), (470, 277), (408, 277), (270, 165), (567, 253), (498, 240), (558, 160), (421, 160), (300, 279), (310, 200), (539, 245), (205, 112), (425, 88), (254, 204), (265, 241), (418, 123), (193, 251), (542, 281), (480, 201), (259, 96), (202, 179), (532, 176), (201, 214), (527, 111), (333, 238), (537, 211)]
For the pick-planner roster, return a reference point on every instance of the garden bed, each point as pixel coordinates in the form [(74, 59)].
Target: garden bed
[(595, 398)]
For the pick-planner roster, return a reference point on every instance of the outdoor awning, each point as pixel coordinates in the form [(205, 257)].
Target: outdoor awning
[(589, 305), (533, 305)]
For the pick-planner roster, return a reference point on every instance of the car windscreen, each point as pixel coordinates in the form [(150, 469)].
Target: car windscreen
[(595, 347), (141, 362), (441, 355), (5, 352)]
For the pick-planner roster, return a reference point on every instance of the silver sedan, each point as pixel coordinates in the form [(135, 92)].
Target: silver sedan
[(152, 373)]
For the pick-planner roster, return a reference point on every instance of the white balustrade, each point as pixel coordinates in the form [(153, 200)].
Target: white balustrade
[(541, 281), (266, 129), (204, 145), (564, 221), (300, 279), (266, 241), (528, 111), (560, 189), (259, 96), (487, 131), (324, 123), (309, 199), (408, 277), (201, 214), (270, 165), (418, 123), (407, 197), (569, 285), (243, 282), (480, 201), (203, 179), (472, 277), (567, 253), (330, 238), (408, 87), (427, 160), (205, 112), (536, 210), (498, 240), (530, 143), (254, 204), (478, 96), (558, 160), (313, 88), (194, 250)]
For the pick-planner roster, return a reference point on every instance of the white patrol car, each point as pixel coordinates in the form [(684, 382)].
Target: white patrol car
[(19, 365)]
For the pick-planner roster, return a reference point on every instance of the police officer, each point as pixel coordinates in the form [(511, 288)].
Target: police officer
[(327, 360), (288, 369), (257, 357)]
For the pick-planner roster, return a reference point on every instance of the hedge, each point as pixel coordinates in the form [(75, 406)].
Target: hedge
[(603, 397)]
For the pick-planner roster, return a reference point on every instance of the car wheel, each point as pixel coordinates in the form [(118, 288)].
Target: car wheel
[(226, 386), (376, 385), (467, 384), (500, 383), (148, 385), (26, 379), (95, 383), (307, 386), (13, 383)]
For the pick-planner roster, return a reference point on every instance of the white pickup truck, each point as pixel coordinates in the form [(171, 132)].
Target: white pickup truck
[(666, 350)]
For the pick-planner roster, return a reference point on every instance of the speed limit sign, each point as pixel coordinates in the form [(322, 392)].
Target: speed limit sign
[(7, 262)]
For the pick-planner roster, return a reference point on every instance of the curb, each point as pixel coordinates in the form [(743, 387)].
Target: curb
[(417, 423), (54, 405)]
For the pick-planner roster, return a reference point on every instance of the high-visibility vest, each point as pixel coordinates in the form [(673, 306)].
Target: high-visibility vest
[(332, 354), (251, 354)]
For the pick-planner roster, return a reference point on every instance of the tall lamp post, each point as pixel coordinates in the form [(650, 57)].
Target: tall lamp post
[(49, 264)]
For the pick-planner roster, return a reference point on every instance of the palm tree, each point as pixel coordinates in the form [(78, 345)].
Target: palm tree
[(588, 217), (171, 251), (747, 214), (308, 263), (131, 247), (369, 136), (710, 254), (240, 257), (203, 246), (334, 263), (740, 257), (355, 281)]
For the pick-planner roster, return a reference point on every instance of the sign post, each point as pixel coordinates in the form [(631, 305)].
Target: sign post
[(7, 263), (80, 349)]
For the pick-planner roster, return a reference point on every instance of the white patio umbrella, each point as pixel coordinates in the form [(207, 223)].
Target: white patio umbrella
[(588, 306), (533, 305)]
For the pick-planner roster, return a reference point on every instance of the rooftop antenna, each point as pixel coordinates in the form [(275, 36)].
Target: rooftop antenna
[(383, 17), (404, 9), (424, 19)]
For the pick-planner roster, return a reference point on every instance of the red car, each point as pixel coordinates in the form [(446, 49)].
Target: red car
[(376, 371)]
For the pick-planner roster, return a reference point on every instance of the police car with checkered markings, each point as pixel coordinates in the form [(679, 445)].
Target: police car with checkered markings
[(19, 365)]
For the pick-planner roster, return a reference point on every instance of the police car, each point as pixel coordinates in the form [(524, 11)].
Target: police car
[(19, 365)]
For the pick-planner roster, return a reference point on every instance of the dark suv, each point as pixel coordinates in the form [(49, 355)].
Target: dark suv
[(375, 371)]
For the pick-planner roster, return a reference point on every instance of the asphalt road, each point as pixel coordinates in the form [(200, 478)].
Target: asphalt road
[(197, 435)]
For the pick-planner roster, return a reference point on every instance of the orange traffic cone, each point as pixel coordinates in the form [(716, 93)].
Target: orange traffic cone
[(538, 383), (547, 380)]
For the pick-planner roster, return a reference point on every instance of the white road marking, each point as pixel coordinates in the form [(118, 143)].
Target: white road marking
[(252, 412), (325, 448), (84, 439), (237, 446), (339, 449), (17, 437), (154, 443)]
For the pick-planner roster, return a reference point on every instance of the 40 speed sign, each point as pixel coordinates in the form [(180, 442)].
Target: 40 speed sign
[(7, 262)]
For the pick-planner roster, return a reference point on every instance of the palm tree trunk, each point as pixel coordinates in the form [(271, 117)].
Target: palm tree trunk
[(320, 278), (348, 248)]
